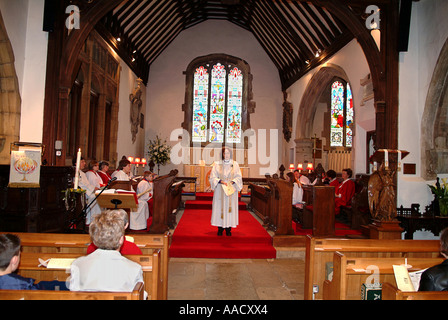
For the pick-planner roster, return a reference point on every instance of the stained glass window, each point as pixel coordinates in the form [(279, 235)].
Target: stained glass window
[(222, 114), (342, 114), (200, 105)]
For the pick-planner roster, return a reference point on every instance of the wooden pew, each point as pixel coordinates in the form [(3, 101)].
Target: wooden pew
[(358, 213), (78, 243), (350, 272), (162, 202), (29, 267), (280, 211), (320, 251), (319, 209), (260, 201), (174, 202), (136, 294), (391, 292)]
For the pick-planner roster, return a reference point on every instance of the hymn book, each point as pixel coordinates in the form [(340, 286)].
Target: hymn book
[(407, 281)]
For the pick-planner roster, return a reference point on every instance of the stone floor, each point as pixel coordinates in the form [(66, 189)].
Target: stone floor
[(238, 279)]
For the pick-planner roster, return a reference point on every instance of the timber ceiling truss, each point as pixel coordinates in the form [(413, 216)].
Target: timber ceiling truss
[(297, 35)]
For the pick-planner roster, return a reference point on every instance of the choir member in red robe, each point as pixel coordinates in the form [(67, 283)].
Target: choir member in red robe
[(345, 191)]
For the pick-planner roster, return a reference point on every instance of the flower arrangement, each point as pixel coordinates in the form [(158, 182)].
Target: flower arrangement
[(440, 192), (159, 152)]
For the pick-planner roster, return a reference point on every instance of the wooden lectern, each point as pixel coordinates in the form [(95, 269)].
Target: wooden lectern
[(125, 201), (118, 201)]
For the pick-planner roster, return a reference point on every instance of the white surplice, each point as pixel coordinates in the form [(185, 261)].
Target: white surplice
[(85, 184), (225, 208), (139, 217)]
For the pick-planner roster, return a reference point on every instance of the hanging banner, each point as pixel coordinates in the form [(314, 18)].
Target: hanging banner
[(25, 169)]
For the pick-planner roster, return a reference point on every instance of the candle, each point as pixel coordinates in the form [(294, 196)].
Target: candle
[(375, 166), (386, 159), (399, 161), (78, 163)]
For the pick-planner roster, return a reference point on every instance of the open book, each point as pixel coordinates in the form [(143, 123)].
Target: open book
[(228, 189), (407, 281), (56, 263)]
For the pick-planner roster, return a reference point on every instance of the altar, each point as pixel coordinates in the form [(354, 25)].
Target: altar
[(202, 174)]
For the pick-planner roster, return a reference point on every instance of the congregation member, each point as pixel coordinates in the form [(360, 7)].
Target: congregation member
[(436, 277), (10, 246), (105, 269), (128, 247)]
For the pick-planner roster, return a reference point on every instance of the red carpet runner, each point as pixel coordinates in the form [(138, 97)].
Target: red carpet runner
[(194, 237)]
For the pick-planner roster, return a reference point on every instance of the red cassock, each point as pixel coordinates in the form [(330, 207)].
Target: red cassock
[(347, 191), (104, 176)]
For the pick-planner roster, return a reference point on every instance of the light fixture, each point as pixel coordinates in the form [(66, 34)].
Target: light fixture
[(318, 52), (291, 167), (119, 39), (300, 167), (309, 167)]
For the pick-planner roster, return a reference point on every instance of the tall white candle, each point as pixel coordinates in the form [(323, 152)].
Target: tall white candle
[(78, 163), (386, 159)]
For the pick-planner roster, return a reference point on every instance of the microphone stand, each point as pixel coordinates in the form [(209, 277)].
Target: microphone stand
[(83, 214)]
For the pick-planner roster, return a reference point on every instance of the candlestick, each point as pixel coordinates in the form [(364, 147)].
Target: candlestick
[(78, 163)]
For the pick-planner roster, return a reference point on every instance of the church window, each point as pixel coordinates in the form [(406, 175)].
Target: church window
[(342, 115), (217, 103)]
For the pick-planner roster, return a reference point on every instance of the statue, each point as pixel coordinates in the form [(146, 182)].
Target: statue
[(136, 107), (287, 117), (382, 195)]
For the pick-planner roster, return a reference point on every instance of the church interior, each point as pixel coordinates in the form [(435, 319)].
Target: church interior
[(290, 87)]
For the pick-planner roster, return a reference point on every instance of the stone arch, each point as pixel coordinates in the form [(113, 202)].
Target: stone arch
[(10, 100), (434, 124), (317, 85)]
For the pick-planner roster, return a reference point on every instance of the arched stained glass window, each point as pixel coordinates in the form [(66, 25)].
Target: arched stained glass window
[(342, 115), (221, 115)]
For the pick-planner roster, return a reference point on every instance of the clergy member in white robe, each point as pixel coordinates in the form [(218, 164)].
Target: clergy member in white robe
[(226, 181)]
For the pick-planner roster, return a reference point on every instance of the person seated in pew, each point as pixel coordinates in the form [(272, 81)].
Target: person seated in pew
[(85, 184), (105, 269), (331, 179), (123, 171), (93, 176), (10, 245), (146, 186), (297, 191), (345, 191), (436, 277), (127, 247), (103, 172)]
